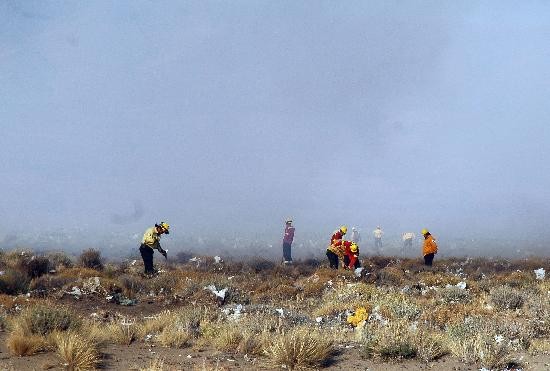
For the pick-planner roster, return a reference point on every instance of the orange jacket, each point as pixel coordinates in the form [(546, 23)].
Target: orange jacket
[(339, 247), (430, 246)]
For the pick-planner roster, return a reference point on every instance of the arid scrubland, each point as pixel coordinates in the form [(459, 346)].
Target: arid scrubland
[(490, 313)]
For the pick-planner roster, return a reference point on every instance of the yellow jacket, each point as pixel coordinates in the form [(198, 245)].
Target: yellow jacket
[(151, 238), (430, 246)]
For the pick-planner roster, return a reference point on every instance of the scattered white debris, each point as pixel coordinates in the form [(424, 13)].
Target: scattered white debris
[(195, 259), (540, 273), (319, 319), (219, 293), (358, 271), (499, 339), (230, 277), (133, 262), (329, 283), (109, 298), (230, 360), (461, 285), (189, 356), (281, 312), (75, 291), (148, 337), (217, 259)]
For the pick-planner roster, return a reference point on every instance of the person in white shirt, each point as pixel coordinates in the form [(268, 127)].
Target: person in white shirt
[(378, 239), (408, 238), (355, 236)]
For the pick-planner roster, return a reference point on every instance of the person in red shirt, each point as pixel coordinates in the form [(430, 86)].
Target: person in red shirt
[(287, 242), (339, 234)]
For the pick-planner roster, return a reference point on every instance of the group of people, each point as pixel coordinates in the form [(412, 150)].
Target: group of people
[(339, 251), (346, 252)]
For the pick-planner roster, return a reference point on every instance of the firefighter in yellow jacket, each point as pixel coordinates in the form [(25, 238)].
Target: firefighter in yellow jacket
[(429, 249), (151, 242)]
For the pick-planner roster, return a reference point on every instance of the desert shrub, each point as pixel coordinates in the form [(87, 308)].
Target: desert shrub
[(124, 332), (481, 348), (300, 347), (261, 265), (44, 284), (176, 336), (60, 259), (396, 340), (506, 297), (131, 285), (431, 347), (391, 276), (91, 258), (43, 320), (454, 294), (34, 266), (518, 279), (24, 345), (400, 307), (164, 283), (14, 282), (76, 351)]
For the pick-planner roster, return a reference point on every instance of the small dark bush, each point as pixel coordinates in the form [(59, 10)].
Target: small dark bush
[(35, 266), (14, 282), (91, 258), (44, 284), (260, 265)]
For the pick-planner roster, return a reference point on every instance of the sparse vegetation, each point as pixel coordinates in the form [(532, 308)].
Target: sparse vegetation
[(279, 316), (91, 258)]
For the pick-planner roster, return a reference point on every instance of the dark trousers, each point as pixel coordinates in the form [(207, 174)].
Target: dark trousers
[(147, 256), (428, 259), (287, 256), (332, 259)]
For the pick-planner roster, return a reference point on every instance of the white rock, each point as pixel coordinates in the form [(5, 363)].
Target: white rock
[(217, 259), (219, 293), (461, 285), (280, 311), (319, 319), (540, 273), (358, 271)]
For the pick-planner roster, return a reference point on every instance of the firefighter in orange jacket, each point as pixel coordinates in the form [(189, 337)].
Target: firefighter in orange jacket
[(335, 250), (429, 249)]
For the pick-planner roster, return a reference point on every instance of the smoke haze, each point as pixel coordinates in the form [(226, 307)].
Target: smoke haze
[(223, 118)]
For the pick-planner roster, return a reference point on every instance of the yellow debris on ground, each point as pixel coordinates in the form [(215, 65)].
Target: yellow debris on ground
[(361, 314)]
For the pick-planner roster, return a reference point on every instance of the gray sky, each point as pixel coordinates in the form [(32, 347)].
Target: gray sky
[(226, 117)]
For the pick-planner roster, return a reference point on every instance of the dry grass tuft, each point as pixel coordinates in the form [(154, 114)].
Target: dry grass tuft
[(301, 347), (77, 352), (24, 345)]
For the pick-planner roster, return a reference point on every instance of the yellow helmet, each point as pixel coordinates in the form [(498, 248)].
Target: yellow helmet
[(424, 231), (165, 226), (354, 247), (344, 229)]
